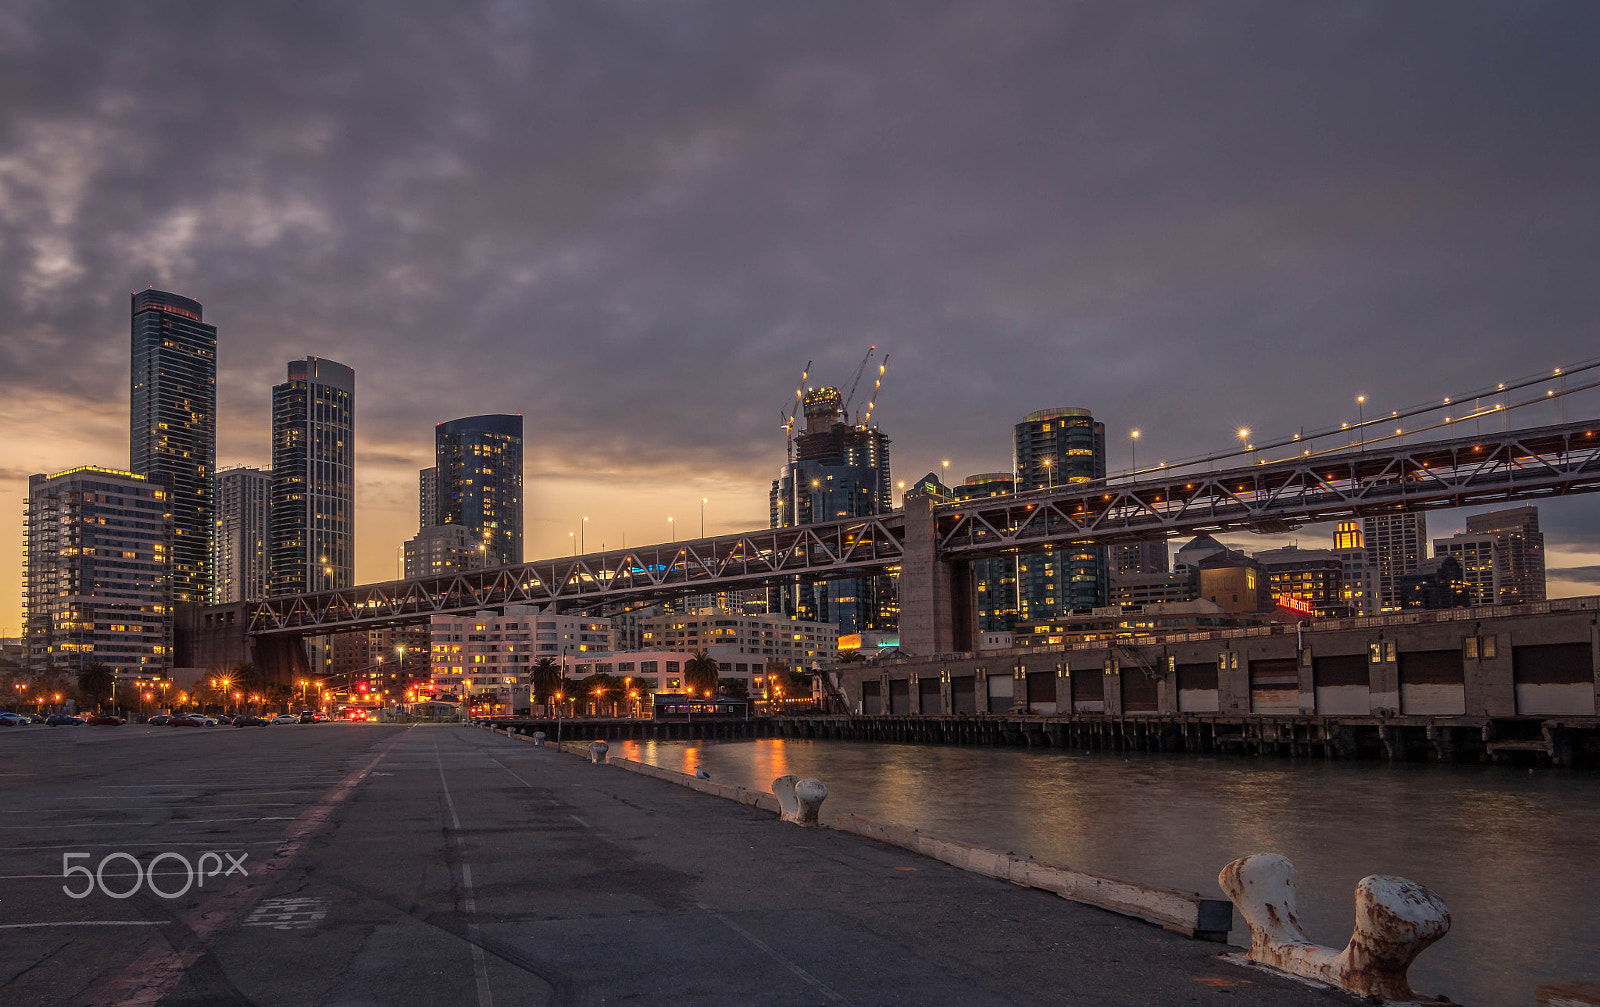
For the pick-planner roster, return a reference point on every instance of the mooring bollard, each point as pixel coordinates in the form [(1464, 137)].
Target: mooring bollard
[(1396, 920), (800, 800), (598, 750), (538, 738)]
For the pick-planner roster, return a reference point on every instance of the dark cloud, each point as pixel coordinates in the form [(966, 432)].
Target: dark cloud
[(635, 222)]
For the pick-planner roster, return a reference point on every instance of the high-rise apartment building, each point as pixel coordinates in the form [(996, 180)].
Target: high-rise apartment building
[(479, 481), (428, 496), (1140, 557), (1312, 576), (1520, 546), (994, 580), (173, 426), (1478, 556), (839, 470), (96, 584), (1396, 545), (239, 557), (443, 548), (313, 512), (1056, 447)]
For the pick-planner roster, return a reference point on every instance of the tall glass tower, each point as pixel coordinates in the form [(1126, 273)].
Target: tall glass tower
[(478, 482), (313, 506), (173, 426), (840, 470), (1056, 447)]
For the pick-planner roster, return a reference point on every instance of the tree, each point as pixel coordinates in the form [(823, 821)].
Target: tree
[(95, 683), (597, 690), (546, 680), (734, 687), (701, 673)]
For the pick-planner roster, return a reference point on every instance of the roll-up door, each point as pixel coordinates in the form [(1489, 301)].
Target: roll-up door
[(963, 694), (1432, 683), (1275, 686), (1197, 688), (1554, 678), (1343, 684)]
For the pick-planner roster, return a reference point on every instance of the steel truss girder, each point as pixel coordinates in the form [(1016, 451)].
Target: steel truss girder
[(728, 562), (1490, 468)]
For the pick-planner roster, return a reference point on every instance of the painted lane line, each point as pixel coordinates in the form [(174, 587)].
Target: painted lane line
[(85, 923), (152, 975), (176, 821), (767, 949), (514, 776), (580, 821), (480, 967)]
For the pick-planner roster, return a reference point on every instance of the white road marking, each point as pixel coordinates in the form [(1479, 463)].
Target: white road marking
[(86, 923), (480, 967)]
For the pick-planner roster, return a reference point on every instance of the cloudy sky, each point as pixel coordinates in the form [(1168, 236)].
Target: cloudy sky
[(634, 222)]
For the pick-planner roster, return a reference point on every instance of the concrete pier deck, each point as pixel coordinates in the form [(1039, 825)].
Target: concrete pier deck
[(458, 866)]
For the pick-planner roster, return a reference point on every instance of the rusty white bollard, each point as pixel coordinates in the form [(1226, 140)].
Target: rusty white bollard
[(598, 750), (801, 800), (1396, 920), (538, 738)]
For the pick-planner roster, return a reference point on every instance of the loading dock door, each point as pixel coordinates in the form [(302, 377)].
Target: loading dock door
[(1041, 692), (1554, 678), (928, 696), (1000, 693), (900, 695), (1343, 685), (1432, 683), (1197, 688), (1088, 691), (871, 697), (1275, 686), (1138, 690), (963, 694)]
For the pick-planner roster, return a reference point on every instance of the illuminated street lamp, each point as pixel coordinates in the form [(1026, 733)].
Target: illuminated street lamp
[(1133, 439)]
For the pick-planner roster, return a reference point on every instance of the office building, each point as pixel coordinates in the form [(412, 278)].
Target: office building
[(96, 577), (1168, 588), (1235, 583), (313, 507), (1435, 583), (1139, 557), (1396, 545), (479, 481), (795, 642), (994, 581), (1520, 547), (173, 426), (1359, 588), (239, 543), (1478, 555), (839, 470), (1312, 576), (443, 548), (1057, 447)]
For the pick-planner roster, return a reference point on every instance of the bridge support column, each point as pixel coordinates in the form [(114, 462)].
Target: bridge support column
[(937, 604)]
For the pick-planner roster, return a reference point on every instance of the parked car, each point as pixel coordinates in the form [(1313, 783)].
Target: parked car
[(323, 718), (13, 720), (308, 717), (104, 720), (160, 719), (187, 720), (62, 720), (249, 722), (286, 718)]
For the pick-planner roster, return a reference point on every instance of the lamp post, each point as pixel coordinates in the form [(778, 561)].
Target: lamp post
[(1244, 437), (672, 530), (1361, 419), (702, 517), (1133, 439), (583, 528), (1049, 475)]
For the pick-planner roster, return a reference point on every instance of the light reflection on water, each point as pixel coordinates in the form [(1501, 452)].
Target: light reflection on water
[(1513, 854)]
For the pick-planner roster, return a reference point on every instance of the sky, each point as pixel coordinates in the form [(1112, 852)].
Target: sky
[(635, 222)]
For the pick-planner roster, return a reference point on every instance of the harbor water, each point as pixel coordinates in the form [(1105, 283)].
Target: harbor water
[(1514, 854)]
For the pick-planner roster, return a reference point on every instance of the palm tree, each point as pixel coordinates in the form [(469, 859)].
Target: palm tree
[(95, 682), (700, 673), (546, 680)]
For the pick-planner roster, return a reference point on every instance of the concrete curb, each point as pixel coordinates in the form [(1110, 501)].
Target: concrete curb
[(1187, 913)]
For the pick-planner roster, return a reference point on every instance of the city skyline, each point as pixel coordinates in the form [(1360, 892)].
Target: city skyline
[(1039, 224)]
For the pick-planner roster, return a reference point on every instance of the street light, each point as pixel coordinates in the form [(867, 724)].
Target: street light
[(1361, 419), (672, 531), (702, 517), (1049, 476), (1133, 438), (582, 528)]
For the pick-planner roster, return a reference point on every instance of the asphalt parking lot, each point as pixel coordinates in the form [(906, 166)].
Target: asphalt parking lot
[(352, 864)]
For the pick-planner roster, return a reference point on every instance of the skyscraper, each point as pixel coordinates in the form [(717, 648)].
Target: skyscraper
[(428, 496), (1359, 590), (839, 470), (1519, 546), (96, 585), (1055, 447), (1396, 545), (239, 545), (173, 426), (313, 478), (994, 580), (479, 481)]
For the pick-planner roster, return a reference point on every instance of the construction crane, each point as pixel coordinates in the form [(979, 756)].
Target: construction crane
[(857, 382), (877, 386), (788, 419)]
